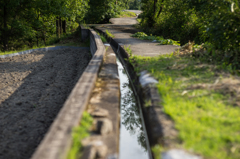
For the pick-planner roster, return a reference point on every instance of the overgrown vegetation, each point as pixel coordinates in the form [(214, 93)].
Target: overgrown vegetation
[(102, 11), (132, 4), (70, 39), (126, 14), (160, 39), (104, 40), (30, 24), (128, 50), (27, 23), (215, 23), (79, 133), (201, 98), (109, 34)]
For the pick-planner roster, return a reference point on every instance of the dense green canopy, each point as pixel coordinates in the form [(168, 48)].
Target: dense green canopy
[(24, 22), (215, 23)]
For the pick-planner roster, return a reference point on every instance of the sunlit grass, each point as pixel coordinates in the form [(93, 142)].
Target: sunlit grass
[(208, 125), (78, 134), (109, 34), (126, 14)]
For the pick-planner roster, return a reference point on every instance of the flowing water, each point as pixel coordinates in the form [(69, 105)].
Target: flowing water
[(133, 144)]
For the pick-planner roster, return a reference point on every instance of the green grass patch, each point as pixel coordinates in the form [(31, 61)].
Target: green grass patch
[(160, 39), (204, 108), (128, 50), (78, 134), (109, 34), (126, 14), (104, 40)]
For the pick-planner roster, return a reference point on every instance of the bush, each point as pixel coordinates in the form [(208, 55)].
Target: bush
[(214, 22), (160, 39)]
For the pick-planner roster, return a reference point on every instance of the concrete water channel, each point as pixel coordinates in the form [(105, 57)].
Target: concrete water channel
[(132, 134), (133, 138), (99, 89)]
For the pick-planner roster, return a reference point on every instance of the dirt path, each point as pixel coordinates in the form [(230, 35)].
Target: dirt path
[(33, 88)]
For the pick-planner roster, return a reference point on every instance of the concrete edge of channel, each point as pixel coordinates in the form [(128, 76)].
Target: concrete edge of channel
[(42, 49), (160, 127), (58, 139), (104, 107), (148, 90)]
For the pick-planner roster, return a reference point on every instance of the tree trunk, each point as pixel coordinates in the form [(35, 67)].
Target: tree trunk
[(5, 30), (64, 26), (37, 39), (44, 37), (57, 26), (61, 29)]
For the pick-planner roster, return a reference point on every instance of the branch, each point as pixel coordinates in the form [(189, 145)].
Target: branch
[(160, 9)]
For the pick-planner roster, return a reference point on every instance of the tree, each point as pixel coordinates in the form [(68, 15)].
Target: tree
[(26, 22), (101, 11)]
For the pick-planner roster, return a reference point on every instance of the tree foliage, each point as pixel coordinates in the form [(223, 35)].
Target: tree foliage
[(133, 4), (101, 11), (214, 22), (25, 22)]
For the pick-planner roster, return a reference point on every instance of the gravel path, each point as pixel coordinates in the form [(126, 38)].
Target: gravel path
[(33, 88)]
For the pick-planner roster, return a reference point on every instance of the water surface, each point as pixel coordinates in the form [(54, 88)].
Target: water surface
[(132, 136)]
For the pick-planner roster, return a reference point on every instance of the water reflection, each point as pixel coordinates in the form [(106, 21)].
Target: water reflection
[(132, 137), (130, 115)]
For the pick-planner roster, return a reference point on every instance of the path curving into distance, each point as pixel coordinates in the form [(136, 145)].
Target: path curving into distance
[(122, 29)]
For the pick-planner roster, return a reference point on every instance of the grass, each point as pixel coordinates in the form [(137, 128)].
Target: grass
[(128, 50), (104, 40), (203, 101), (159, 39), (71, 39), (139, 20), (126, 14), (109, 34), (79, 133)]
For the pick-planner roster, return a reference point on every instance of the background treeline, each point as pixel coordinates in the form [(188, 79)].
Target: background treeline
[(213, 22), (100, 11), (133, 4), (27, 23)]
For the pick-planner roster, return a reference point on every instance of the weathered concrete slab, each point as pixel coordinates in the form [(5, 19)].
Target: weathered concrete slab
[(106, 97)]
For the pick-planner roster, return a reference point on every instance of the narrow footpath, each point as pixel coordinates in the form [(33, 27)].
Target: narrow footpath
[(122, 29)]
